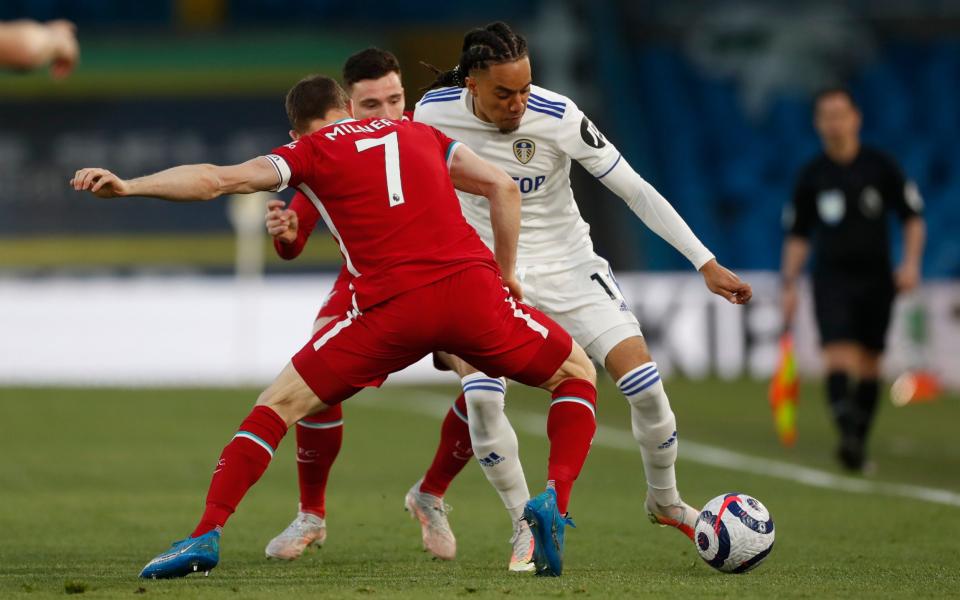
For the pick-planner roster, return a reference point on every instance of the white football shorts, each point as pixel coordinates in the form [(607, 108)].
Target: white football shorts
[(583, 297)]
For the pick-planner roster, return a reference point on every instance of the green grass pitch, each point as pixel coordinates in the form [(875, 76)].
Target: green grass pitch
[(94, 483)]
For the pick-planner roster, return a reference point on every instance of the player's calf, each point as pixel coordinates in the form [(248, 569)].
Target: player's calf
[(290, 397), (240, 465), (494, 441), (577, 366), (571, 424), (655, 429)]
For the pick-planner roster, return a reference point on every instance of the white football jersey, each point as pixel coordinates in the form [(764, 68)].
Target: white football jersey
[(537, 155)]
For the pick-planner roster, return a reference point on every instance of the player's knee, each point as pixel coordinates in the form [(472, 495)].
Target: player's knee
[(577, 366), (625, 355), (290, 407), (842, 356), (273, 399), (869, 365), (456, 364)]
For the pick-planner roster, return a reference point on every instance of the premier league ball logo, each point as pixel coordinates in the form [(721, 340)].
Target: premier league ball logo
[(524, 150)]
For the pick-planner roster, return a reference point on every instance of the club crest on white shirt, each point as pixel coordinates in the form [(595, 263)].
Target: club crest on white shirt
[(524, 150), (831, 205)]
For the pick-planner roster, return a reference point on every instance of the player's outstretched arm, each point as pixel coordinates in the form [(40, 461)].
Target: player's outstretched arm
[(186, 183), (660, 216), (473, 175)]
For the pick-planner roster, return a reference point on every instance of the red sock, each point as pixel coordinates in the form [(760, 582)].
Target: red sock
[(319, 438), (241, 464), (453, 453), (571, 424)]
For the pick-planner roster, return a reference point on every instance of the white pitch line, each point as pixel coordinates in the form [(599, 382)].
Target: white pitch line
[(433, 404)]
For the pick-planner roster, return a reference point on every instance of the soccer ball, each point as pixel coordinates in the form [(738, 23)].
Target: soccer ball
[(734, 533)]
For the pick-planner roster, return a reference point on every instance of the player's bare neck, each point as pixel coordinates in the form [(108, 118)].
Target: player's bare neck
[(330, 118), (335, 115)]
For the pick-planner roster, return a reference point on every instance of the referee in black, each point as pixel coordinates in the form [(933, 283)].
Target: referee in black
[(840, 210)]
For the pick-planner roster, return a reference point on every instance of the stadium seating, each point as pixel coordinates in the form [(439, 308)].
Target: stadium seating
[(730, 174)]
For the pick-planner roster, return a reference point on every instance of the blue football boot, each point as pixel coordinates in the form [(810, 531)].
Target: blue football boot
[(191, 555), (547, 525)]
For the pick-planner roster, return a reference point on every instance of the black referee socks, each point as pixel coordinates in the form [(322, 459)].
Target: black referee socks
[(838, 394)]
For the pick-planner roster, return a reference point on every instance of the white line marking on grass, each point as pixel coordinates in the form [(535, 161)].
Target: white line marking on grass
[(433, 404)]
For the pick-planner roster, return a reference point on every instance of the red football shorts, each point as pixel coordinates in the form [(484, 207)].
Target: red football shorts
[(469, 314), (340, 299)]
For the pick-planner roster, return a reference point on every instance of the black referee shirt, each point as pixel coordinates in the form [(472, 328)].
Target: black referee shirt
[(843, 209)]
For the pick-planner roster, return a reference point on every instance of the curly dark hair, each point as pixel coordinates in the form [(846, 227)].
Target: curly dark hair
[(491, 45)]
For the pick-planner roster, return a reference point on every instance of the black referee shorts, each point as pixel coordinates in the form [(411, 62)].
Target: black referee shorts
[(853, 309)]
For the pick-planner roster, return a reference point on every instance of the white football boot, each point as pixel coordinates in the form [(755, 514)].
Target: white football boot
[(521, 559), (306, 530), (432, 513), (680, 515)]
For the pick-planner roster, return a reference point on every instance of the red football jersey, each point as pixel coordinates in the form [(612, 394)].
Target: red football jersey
[(308, 217), (383, 189)]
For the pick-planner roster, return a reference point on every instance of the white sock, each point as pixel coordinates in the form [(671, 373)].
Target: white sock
[(494, 441), (654, 428)]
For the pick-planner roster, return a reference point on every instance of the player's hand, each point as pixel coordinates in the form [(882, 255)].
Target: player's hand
[(100, 182), (789, 299), (724, 282), (513, 286), (282, 223), (67, 50), (907, 277)]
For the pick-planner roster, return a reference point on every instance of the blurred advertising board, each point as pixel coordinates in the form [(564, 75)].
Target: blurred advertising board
[(222, 331)]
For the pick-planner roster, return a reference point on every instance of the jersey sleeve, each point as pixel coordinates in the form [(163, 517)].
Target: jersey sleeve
[(799, 215), (293, 161), (307, 217), (580, 139), (446, 145), (902, 193)]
